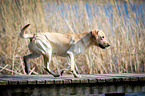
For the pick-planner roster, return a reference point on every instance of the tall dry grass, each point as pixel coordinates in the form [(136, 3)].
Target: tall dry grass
[(124, 31)]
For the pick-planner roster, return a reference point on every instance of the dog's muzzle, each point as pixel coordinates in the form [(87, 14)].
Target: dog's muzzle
[(103, 47)]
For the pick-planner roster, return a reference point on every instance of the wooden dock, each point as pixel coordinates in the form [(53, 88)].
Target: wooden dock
[(68, 85)]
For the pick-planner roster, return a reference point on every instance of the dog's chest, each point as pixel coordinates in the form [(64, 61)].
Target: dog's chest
[(77, 48)]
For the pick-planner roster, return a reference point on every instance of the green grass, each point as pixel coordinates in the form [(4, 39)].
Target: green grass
[(126, 53)]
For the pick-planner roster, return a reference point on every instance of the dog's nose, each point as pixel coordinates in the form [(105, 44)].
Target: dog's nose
[(108, 44)]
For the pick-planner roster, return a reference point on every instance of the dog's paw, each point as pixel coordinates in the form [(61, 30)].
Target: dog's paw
[(61, 72), (56, 75), (77, 76)]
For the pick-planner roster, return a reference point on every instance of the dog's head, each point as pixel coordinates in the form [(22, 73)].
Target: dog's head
[(99, 39)]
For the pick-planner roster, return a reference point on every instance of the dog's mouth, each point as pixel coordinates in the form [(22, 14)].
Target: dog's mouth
[(102, 46)]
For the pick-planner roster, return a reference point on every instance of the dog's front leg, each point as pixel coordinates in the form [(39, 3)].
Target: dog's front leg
[(72, 64)]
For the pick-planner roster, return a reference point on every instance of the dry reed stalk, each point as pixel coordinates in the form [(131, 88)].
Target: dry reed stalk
[(23, 68), (126, 37), (31, 71), (4, 68), (11, 70)]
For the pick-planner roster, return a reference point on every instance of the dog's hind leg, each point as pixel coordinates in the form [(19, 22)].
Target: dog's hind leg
[(26, 58), (47, 60)]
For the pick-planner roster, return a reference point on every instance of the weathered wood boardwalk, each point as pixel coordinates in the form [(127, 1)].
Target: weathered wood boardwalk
[(69, 79), (68, 85)]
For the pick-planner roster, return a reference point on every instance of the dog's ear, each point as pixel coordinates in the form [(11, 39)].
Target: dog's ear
[(95, 33)]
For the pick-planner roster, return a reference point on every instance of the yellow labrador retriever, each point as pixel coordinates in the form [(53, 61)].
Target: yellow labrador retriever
[(66, 45)]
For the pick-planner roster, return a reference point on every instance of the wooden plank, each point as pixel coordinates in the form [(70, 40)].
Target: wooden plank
[(91, 80), (135, 79), (101, 80), (41, 82), (32, 82), (3, 82), (69, 79), (13, 82), (141, 78), (75, 80), (126, 79), (49, 81), (92, 84), (58, 81), (84, 80), (109, 80), (118, 79), (23, 82)]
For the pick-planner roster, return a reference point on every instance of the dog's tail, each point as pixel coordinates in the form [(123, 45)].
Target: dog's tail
[(22, 33)]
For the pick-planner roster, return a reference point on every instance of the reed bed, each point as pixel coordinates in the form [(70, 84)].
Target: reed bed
[(122, 21)]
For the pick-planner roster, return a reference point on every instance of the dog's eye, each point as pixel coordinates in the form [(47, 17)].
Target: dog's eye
[(102, 37)]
